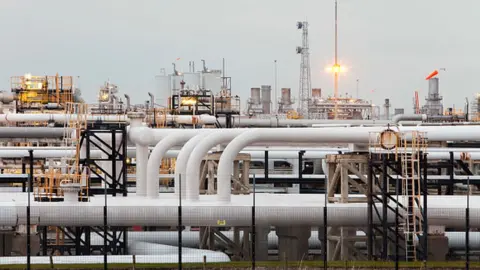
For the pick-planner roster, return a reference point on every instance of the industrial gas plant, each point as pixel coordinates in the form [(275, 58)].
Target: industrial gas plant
[(194, 175)]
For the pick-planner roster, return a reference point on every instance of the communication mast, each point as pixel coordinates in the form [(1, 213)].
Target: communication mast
[(305, 81)]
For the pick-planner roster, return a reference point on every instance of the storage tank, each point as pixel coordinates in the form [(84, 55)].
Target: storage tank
[(286, 96), (192, 80), (266, 98), (316, 92), (255, 96), (164, 91), (175, 84), (212, 81)]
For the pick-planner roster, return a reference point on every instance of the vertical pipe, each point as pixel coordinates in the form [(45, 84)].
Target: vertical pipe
[(30, 184), (141, 169)]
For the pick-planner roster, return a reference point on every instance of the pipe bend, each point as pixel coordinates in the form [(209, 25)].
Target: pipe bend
[(290, 135), (181, 163), (408, 117), (196, 157), (156, 157)]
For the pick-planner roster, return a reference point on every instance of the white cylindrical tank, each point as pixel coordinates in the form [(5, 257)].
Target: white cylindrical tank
[(266, 98), (212, 81), (255, 95), (192, 80), (176, 83), (164, 90), (286, 96)]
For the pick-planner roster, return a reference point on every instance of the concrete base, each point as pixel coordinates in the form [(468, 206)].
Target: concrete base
[(293, 243), (437, 247), (261, 243)]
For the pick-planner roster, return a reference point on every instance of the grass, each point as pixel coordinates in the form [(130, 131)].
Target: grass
[(270, 264)]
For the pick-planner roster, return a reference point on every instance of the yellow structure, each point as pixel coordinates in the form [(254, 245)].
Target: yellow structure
[(35, 92)]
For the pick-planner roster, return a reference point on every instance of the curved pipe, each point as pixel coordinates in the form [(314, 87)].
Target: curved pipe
[(408, 117), (309, 135), (195, 159), (157, 155), (181, 164)]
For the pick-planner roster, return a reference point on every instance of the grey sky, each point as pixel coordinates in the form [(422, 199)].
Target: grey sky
[(389, 45)]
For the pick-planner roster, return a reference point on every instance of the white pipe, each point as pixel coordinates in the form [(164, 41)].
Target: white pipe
[(404, 117), (148, 248), (181, 164), (195, 159), (112, 259), (191, 239), (274, 210), (62, 118), (310, 135), (157, 155)]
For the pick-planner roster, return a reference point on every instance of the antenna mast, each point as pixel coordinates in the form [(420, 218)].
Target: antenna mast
[(305, 81)]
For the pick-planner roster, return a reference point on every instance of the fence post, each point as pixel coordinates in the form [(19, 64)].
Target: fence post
[(30, 185), (253, 225), (180, 222)]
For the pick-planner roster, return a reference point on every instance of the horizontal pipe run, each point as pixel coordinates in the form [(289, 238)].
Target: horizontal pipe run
[(275, 210)]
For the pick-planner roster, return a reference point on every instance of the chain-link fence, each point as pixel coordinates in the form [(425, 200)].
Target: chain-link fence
[(254, 229)]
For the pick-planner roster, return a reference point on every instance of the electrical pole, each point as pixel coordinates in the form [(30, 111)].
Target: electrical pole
[(275, 105), (337, 68)]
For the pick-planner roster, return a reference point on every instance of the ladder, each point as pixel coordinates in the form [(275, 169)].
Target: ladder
[(76, 120), (411, 191)]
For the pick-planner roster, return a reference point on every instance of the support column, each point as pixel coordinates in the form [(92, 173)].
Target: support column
[(293, 242), (261, 243)]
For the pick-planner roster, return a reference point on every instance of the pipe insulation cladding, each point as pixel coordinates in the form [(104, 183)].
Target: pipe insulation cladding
[(271, 210), (181, 164), (357, 135), (157, 155), (196, 156)]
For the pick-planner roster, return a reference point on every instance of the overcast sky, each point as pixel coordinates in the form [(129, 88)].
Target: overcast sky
[(390, 46)]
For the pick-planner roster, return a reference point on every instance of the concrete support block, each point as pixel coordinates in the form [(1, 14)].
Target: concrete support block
[(293, 242), (261, 243)]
